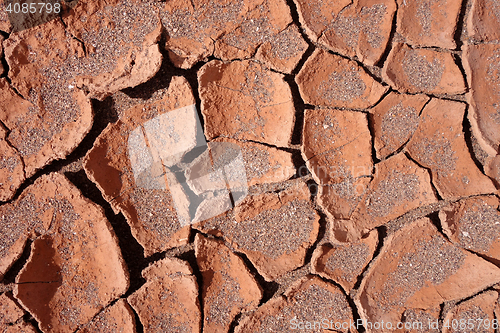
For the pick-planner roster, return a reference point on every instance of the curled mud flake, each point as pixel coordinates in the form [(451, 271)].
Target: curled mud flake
[(228, 286)]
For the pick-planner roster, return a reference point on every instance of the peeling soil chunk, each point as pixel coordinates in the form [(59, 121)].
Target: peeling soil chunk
[(439, 145), (242, 100), (55, 73), (484, 20), (422, 71), (118, 318), (398, 186), (343, 263), (418, 268), (48, 120), (428, 22), (394, 120), (331, 80), (168, 301), (479, 310), (482, 65), (310, 300), (75, 268), (336, 145), (228, 286), (359, 28), (284, 51), (11, 167), (274, 230), (131, 172), (474, 224)]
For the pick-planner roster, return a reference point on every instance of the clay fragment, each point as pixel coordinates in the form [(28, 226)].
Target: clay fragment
[(474, 224), (56, 73), (336, 145), (10, 312), (132, 175), (439, 145), (242, 100), (228, 286), (399, 185), (483, 74), (274, 230), (394, 121), (344, 263), (428, 23), (2, 69), (477, 313), (310, 300), (422, 71), (419, 269), (483, 22), (284, 51), (168, 301), (358, 28), (48, 120), (117, 318), (333, 81), (75, 267), (11, 169), (121, 38)]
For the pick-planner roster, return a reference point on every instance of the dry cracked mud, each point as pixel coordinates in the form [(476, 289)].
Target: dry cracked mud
[(249, 166)]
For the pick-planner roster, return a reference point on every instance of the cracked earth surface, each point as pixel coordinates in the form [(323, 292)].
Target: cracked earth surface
[(251, 166)]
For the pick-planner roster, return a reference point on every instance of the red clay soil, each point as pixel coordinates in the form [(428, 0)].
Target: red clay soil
[(250, 166)]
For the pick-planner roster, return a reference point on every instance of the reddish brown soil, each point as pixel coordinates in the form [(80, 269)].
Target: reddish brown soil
[(250, 166)]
